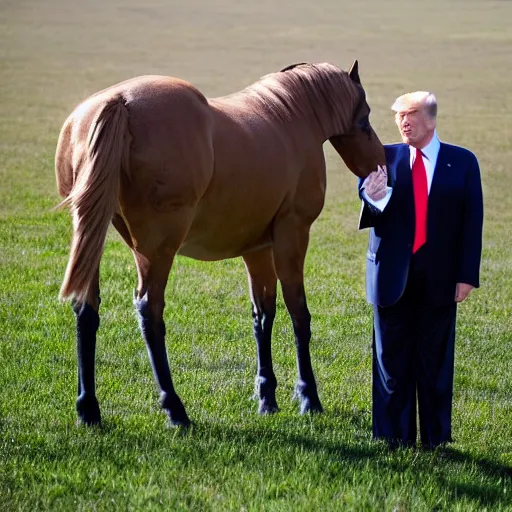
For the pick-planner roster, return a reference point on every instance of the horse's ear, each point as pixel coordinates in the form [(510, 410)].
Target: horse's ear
[(354, 72)]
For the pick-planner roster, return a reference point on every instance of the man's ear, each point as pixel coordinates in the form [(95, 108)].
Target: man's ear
[(354, 72), (431, 122)]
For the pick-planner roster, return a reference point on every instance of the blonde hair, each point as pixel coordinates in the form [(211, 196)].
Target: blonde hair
[(416, 99)]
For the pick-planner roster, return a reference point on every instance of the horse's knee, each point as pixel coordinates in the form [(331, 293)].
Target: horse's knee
[(87, 317), (141, 305), (148, 308), (150, 323)]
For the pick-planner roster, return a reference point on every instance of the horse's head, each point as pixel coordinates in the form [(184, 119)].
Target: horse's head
[(360, 147)]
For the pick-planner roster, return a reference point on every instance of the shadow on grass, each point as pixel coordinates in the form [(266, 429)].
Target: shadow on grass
[(208, 446), (460, 475)]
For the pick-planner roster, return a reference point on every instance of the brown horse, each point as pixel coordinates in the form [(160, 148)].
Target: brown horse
[(176, 173)]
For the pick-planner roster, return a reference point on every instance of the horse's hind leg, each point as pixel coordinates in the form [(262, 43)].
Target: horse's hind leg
[(262, 282), (149, 303), (290, 246), (87, 323)]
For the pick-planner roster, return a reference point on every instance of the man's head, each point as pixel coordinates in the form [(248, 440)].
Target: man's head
[(415, 116)]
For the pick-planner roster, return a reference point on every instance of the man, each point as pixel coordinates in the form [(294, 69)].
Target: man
[(423, 258)]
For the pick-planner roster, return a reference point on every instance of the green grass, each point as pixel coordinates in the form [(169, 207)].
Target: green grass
[(52, 55)]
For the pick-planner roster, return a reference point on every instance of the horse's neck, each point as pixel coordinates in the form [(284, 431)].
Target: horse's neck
[(298, 116), (254, 111), (326, 110)]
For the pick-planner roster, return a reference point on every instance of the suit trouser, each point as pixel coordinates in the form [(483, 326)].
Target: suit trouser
[(413, 353)]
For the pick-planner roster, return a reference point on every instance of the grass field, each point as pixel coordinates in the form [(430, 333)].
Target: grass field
[(55, 53)]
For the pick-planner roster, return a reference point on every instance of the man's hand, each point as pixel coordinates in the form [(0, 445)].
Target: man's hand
[(462, 291), (376, 184)]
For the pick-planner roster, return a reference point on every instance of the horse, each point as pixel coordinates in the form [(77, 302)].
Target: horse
[(210, 179)]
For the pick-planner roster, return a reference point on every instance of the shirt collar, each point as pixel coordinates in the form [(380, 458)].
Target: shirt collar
[(431, 150)]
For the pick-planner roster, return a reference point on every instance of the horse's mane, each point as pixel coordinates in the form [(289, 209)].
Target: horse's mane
[(302, 88)]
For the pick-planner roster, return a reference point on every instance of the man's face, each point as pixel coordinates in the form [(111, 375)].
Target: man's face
[(416, 126)]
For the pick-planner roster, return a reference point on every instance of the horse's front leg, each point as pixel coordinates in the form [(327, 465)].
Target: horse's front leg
[(305, 389), (87, 323), (262, 283), (149, 303), (290, 246)]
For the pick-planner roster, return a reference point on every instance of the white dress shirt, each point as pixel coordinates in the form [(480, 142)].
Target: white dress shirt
[(430, 153)]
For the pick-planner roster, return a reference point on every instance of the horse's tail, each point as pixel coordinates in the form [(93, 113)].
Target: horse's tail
[(95, 194)]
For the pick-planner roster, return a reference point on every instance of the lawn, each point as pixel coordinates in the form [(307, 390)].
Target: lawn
[(55, 53)]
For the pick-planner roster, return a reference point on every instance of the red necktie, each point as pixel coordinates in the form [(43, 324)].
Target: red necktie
[(419, 184)]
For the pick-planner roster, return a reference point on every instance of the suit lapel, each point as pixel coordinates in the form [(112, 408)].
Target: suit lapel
[(404, 178), (441, 173), (441, 177)]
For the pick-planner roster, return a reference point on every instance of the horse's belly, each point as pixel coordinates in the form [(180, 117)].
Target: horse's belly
[(213, 247), (234, 217)]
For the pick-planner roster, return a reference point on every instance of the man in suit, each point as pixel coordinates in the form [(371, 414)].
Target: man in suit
[(425, 214)]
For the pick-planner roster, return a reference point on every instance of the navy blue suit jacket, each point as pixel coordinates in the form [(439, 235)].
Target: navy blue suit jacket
[(454, 227)]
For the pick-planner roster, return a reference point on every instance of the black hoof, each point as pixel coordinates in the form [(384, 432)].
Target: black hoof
[(310, 406), (88, 410), (183, 423), (268, 406), (175, 410), (265, 391), (308, 399)]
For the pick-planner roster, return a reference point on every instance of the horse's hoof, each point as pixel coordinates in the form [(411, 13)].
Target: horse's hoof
[(88, 411), (268, 406), (265, 392), (307, 398), (179, 420), (175, 410), (308, 405)]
